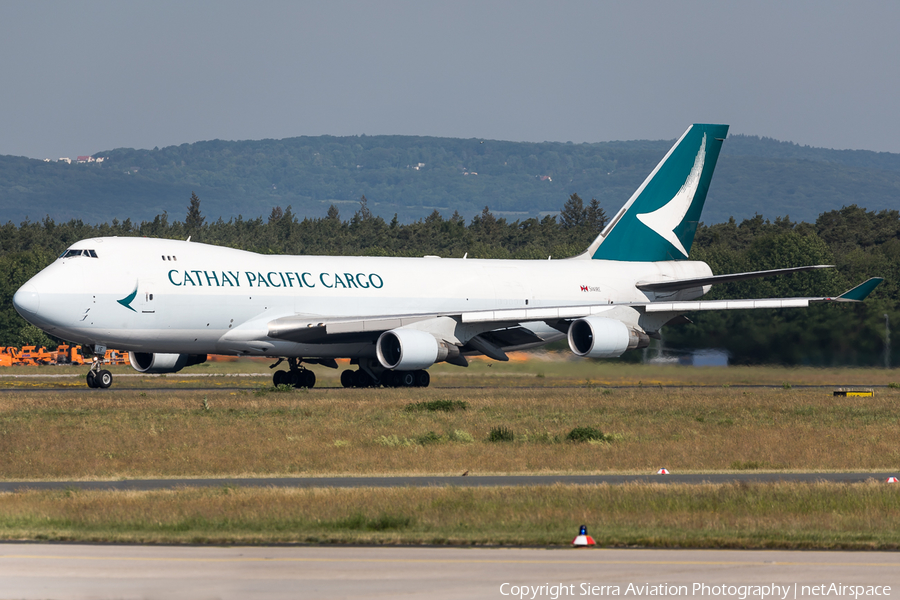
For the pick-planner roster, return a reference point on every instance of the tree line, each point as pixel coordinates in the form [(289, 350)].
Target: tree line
[(860, 243)]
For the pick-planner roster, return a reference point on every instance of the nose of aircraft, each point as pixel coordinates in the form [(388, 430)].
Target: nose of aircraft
[(27, 301)]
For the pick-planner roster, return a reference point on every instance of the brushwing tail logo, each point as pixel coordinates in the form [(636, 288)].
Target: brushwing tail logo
[(127, 300), (665, 219)]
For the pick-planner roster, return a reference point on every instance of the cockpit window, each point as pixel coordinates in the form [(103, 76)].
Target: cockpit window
[(73, 252)]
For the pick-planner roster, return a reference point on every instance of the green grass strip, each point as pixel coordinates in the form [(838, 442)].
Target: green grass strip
[(770, 515)]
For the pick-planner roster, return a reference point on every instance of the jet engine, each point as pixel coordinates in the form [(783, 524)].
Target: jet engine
[(599, 337), (410, 349), (145, 362)]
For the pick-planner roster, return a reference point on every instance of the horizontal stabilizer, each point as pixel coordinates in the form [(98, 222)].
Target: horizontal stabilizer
[(684, 284), (860, 292)]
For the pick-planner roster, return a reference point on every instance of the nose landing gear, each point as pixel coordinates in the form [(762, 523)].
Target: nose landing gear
[(98, 377)]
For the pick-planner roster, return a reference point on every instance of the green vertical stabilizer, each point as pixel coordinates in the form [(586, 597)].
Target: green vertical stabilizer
[(659, 221)]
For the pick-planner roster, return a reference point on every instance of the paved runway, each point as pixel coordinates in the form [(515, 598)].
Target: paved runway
[(72, 571), (428, 481)]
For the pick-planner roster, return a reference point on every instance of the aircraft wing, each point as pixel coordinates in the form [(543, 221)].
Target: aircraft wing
[(313, 329), (857, 294), (683, 284)]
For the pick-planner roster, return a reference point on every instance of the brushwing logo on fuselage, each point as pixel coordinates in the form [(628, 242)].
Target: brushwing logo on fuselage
[(666, 218), (127, 300)]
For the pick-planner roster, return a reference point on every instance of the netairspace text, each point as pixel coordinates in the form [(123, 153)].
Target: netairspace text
[(740, 592)]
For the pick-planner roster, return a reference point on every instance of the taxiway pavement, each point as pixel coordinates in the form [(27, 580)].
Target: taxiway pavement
[(75, 571), (435, 481)]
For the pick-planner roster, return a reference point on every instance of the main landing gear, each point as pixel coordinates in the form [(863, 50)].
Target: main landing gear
[(98, 377), (299, 377), (360, 379)]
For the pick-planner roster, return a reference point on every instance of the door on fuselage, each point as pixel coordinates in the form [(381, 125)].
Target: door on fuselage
[(147, 305)]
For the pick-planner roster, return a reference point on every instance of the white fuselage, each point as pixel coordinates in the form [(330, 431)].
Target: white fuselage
[(196, 298)]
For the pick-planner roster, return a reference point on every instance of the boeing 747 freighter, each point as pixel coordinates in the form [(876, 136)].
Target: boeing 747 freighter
[(171, 303)]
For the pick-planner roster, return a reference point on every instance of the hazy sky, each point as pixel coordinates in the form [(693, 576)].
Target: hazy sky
[(81, 77)]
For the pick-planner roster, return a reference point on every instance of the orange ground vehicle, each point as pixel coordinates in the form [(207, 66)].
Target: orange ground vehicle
[(63, 355), (32, 355), (116, 357), (8, 356), (69, 355)]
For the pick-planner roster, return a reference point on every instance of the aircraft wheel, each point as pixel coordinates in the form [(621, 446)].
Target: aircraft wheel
[(308, 379), (395, 379), (103, 379), (303, 379), (389, 379), (407, 378), (361, 379), (279, 378), (91, 380), (347, 378), (422, 378)]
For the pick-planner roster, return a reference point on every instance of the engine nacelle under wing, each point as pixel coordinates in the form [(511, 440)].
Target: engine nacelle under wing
[(600, 337), (409, 349), (145, 362)]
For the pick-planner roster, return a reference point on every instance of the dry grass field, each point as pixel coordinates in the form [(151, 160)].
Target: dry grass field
[(256, 431), (778, 515), (733, 419)]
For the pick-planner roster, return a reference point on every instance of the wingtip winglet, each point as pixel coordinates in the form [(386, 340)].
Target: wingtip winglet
[(860, 292)]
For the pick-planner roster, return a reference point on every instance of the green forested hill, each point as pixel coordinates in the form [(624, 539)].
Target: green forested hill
[(412, 176)]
